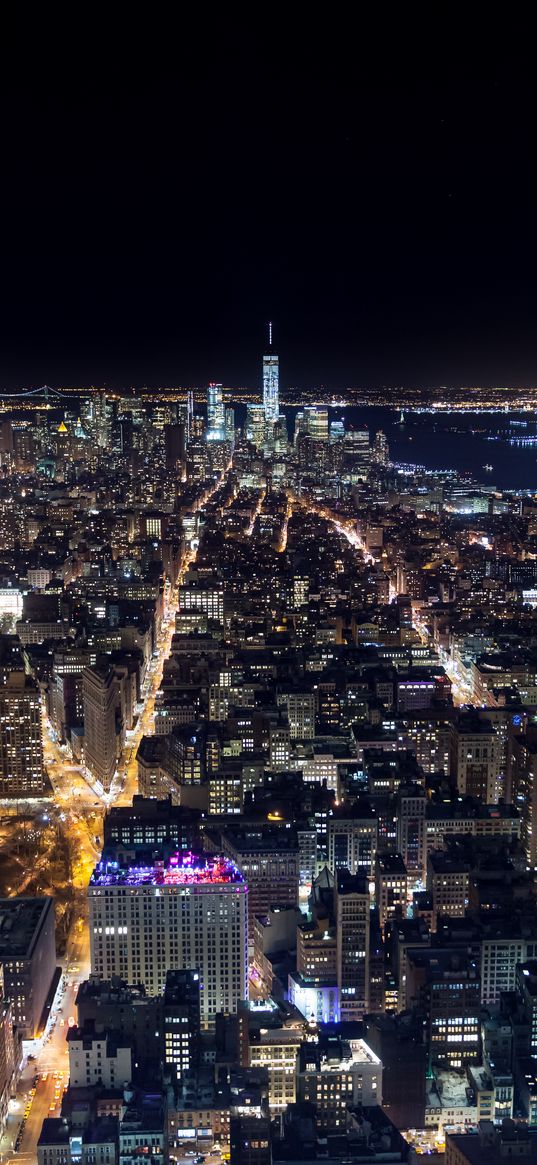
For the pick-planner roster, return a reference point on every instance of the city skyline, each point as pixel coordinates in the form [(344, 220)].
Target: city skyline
[(268, 591)]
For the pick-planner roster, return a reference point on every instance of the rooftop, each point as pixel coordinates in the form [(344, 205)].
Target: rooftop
[(181, 869), (20, 922), (491, 1144), (391, 863)]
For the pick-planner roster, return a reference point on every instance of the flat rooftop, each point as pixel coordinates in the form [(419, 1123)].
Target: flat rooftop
[(181, 869), (20, 921)]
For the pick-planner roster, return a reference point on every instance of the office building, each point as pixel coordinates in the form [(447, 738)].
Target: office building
[(216, 421), (357, 449), (398, 1042), (526, 988), (381, 450), (186, 913), (28, 959), (448, 878), (102, 727), (391, 886), (181, 1020), (21, 748), (352, 839), (352, 909), (300, 709), (444, 986), (150, 826), (475, 759), (268, 859), (206, 597), (255, 426), (333, 1073), (271, 375), (315, 423), (175, 447), (525, 792)]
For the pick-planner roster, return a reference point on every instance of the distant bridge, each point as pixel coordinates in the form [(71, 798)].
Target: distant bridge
[(45, 392)]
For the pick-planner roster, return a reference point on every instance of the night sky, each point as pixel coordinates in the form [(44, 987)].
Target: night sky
[(162, 199)]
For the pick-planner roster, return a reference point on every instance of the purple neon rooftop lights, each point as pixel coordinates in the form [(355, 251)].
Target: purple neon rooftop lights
[(182, 869)]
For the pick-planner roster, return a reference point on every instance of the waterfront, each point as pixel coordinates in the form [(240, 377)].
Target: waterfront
[(466, 442)]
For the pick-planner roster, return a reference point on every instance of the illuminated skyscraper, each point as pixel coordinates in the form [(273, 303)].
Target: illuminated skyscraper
[(316, 422), (271, 378), (216, 423), (21, 749), (381, 451)]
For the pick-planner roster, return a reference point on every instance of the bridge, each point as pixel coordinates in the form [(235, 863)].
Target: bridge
[(44, 393)]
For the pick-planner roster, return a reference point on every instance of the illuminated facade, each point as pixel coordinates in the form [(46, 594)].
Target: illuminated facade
[(21, 750), (271, 383), (216, 419), (255, 424), (187, 913)]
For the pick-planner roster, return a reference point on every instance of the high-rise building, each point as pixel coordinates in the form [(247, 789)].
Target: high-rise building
[(445, 986), (271, 376), (475, 758), (100, 723), (358, 451), (352, 927), (216, 420), (268, 859), (7, 1054), (411, 829), (27, 959), (186, 913), (352, 839), (175, 446), (391, 888), (448, 877), (21, 747), (315, 422), (229, 425), (300, 707), (181, 1020), (381, 451), (255, 424), (337, 431), (525, 791)]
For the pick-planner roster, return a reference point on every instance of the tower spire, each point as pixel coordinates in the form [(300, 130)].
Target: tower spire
[(270, 335)]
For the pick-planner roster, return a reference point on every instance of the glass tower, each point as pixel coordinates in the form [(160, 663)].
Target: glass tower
[(216, 429), (271, 403)]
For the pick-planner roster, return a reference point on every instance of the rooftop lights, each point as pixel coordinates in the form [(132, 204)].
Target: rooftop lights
[(182, 869)]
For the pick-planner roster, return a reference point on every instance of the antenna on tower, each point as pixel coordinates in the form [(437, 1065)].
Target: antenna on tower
[(270, 334)]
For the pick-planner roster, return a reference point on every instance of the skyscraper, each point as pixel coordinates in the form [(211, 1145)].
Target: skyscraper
[(271, 377), (352, 927), (21, 749), (255, 424), (187, 913), (100, 723), (216, 425)]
